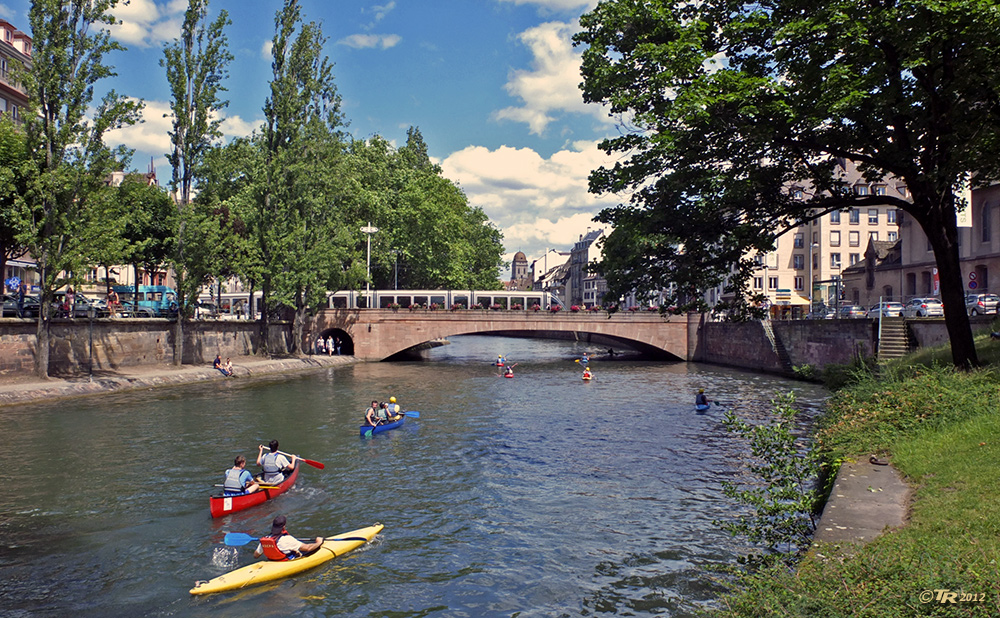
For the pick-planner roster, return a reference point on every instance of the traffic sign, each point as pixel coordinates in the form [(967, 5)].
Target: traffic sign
[(972, 276), (973, 285)]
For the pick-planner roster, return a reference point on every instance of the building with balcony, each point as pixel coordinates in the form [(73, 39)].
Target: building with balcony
[(15, 52)]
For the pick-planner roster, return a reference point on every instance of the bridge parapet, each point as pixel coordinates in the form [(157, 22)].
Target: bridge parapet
[(377, 334)]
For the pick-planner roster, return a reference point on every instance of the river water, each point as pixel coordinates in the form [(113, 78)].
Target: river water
[(542, 495)]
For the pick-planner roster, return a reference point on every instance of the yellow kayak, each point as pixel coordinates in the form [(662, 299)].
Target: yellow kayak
[(269, 570)]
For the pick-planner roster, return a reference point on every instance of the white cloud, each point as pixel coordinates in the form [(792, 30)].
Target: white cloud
[(382, 10), (151, 137), (537, 203), (6, 12), (365, 41), (265, 50), (147, 24), (551, 86)]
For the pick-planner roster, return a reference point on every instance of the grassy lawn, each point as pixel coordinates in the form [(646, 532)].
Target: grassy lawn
[(941, 429)]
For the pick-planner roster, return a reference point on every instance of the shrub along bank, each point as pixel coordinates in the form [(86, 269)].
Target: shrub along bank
[(940, 428)]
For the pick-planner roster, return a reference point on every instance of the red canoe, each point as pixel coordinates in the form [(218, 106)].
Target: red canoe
[(224, 505)]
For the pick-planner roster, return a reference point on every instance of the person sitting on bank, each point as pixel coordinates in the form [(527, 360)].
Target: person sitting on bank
[(228, 367), (217, 364), (238, 480), (279, 545), (371, 414), (273, 464), (700, 399)]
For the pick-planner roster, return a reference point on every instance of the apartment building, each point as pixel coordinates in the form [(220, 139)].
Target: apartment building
[(15, 52)]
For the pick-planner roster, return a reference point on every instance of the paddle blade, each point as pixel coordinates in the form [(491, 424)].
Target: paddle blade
[(412, 413), (238, 539), (314, 464), (368, 433)]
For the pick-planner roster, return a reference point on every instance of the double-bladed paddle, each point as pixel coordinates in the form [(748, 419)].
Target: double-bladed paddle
[(239, 539)]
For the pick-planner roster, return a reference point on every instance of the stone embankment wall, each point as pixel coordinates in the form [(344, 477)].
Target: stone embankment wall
[(128, 343)]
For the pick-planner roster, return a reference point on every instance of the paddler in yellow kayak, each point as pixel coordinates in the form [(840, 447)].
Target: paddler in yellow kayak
[(279, 545)]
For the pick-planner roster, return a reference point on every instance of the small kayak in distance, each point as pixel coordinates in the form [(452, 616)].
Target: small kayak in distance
[(588, 378), (270, 570), (221, 504), (701, 407), (397, 421)]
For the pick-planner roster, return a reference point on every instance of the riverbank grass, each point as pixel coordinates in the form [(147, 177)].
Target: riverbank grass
[(941, 429)]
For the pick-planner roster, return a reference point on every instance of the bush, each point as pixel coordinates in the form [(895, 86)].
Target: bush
[(536, 307), (574, 308), (555, 308)]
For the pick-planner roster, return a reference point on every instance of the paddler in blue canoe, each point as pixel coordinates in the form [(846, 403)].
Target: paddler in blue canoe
[(700, 400)]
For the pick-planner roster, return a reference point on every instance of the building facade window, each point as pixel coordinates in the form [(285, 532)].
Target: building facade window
[(890, 215), (772, 283), (854, 258), (893, 236), (873, 216), (854, 238), (758, 283), (798, 261), (799, 283), (855, 215), (879, 189), (873, 235), (834, 260), (835, 216), (861, 190), (799, 240), (834, 239)]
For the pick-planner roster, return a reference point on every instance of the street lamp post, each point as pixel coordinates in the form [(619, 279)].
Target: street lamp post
[(369, 230), (812, 287), (395, 284)]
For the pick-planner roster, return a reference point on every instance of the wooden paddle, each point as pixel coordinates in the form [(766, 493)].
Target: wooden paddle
[(313, 463)]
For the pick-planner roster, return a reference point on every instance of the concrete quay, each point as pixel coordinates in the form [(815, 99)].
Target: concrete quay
[(867, 499), (25, 389)]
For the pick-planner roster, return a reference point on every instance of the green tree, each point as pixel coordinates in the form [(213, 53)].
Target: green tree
[(15, 169), (729, 104), (302, 242), (196, 67), (148, 231), (64, 134)]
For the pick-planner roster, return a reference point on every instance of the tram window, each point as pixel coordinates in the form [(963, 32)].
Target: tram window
[(404, 301), (362, 301), (338, 302), (420, 300), (485, 301), (517, 300), (438, 299), (502, 301), (384, 301), (461, 300)]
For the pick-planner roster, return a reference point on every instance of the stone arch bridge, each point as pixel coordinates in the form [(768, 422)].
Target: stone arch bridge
[(378, 334)]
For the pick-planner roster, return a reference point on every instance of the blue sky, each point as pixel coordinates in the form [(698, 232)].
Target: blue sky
[(491, 84)]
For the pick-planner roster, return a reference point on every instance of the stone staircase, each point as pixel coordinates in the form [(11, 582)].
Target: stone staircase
[(895, 340), (776, 345)]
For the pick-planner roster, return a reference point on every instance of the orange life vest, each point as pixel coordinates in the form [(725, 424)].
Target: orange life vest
[(269, 544)]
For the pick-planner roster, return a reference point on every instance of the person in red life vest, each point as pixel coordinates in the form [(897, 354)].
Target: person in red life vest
[(279, 545)]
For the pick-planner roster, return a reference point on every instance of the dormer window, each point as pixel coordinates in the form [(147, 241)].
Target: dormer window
[(861, 190), (879, 189)]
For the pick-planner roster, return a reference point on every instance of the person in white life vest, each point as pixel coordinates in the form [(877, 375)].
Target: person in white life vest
[(273, 464), (238, 480)]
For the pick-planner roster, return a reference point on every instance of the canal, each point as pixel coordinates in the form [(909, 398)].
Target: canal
[(542, 495)]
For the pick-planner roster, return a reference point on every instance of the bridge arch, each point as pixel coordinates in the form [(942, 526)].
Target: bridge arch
[(379, 334)]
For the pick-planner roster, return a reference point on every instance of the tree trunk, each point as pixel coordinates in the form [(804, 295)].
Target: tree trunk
[(265, 326), (179, 327), (42, 344), (942, 233), (298, 324)]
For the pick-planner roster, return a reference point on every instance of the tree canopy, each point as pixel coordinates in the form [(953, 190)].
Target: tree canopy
[(725, 105)]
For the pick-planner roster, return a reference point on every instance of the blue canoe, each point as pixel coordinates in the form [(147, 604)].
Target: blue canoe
[(702, 407), (383, 427)]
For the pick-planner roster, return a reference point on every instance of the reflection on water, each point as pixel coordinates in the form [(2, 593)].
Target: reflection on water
[(542, 495)]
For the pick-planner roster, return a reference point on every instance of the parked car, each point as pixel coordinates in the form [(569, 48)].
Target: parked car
[(31, 306), (127, 309), (853, 311), (981, 304), (889, 309), (923, 308), (81, 306)]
